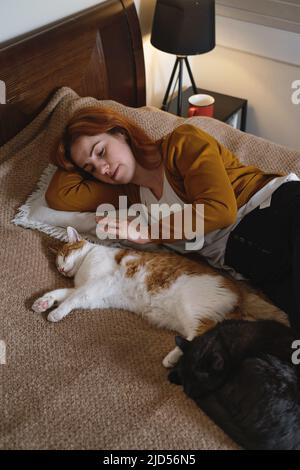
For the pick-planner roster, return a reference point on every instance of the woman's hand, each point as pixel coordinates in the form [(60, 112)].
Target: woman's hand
[(123, 229)]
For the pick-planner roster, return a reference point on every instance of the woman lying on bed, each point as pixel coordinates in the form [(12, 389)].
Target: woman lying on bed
[(251, 218)]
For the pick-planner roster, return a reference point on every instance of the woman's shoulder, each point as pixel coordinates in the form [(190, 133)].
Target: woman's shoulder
[(184, 128), (187, 136), (185, 143)]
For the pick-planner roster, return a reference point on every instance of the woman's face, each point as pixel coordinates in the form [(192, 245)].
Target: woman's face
[(107, 157)]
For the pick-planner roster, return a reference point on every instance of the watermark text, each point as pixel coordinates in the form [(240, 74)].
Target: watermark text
[(156, 222), (2, 92), (2, 352), (296, 354), (296, 94)]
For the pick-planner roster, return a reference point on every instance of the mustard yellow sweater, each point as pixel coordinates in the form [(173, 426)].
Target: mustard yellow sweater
[(199, 169)]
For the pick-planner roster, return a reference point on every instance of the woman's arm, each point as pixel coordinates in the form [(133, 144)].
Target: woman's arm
[(194, 162), (70, 191), (194, 159)]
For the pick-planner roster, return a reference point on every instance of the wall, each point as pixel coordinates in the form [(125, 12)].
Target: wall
[(250, 61), (19, 16), (264, 82)]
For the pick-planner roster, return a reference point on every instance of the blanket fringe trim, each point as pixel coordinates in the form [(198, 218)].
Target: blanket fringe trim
[(22, 216)]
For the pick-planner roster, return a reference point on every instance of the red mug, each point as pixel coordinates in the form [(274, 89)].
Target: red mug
[(201, 105)]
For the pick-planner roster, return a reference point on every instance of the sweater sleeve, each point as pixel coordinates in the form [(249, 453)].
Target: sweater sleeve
[(194, 161), (205, 179), (70, 191)]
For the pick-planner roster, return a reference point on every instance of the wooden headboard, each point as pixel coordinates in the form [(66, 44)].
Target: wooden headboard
[(97, 52)]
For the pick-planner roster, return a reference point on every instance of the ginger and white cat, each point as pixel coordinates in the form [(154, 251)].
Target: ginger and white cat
[(169, 290)]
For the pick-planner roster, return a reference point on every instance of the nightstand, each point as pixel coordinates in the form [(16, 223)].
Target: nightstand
[(227, 108)]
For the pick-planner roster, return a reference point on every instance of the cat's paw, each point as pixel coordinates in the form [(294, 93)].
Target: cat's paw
[(43, 304), (168, 362), (55, 316), (172, 358)]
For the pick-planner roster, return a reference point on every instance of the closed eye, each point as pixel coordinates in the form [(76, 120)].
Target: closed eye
[(101, 154)]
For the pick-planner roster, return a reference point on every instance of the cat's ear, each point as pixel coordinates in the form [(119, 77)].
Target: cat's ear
[(53, 250), (217, 362), (73, 235), (182, 343), (174, 377)]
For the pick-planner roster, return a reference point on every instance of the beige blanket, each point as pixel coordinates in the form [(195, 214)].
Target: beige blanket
[(94, 380)]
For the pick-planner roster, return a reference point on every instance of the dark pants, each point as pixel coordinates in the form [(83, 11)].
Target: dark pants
[(265, 248)]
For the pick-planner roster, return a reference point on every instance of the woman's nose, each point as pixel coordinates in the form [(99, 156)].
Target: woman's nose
[(103, 167)]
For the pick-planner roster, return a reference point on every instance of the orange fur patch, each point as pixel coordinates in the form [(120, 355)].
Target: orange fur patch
[(236, 314), (68, 247), (205, 325), (164, 268), (229, 283)]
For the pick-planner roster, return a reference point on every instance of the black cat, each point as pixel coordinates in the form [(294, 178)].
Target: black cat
[(241, 374)]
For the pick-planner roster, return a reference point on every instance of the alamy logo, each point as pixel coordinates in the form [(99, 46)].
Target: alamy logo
[(296, 354), (296, 94), (2, 92), (140, 222), (2, 352)]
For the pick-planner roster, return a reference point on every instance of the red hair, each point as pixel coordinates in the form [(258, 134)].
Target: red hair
[(94, 120)]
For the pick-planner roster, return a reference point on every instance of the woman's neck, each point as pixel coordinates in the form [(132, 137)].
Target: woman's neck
[(152, 179)]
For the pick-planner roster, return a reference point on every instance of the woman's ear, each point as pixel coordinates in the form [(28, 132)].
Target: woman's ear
[(121, 134), (122, 137)]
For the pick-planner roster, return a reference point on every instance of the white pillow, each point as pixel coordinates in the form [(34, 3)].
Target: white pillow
[(36, 214)]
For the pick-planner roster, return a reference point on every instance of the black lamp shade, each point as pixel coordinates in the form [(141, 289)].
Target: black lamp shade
[(184, 27)]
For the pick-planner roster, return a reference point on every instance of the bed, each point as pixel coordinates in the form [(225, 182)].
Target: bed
[(95, 380)]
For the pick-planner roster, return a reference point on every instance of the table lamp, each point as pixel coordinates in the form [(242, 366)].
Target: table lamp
[(183, 27)]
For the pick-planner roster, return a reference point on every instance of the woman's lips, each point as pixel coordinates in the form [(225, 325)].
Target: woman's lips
[(115, 172)]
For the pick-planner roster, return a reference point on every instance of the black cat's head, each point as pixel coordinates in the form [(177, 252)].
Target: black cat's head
[(204, 365)]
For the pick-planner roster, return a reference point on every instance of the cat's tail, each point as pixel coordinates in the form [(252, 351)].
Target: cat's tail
[(256, 308)]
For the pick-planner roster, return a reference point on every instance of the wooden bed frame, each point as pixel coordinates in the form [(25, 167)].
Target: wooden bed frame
[(97, 52)]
